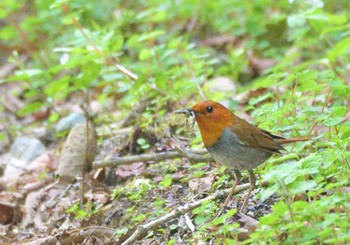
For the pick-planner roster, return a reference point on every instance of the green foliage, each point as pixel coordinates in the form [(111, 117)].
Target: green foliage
[(308, 92), (219, 226), (143, 143), (166, 182), (78, 212)]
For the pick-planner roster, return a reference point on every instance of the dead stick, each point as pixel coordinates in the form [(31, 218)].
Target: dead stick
[(195, 156), (142, 230)]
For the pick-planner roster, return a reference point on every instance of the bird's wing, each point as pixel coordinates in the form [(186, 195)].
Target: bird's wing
[(255, 137)]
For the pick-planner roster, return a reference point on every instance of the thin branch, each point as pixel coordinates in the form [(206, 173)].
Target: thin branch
[(142, 230), (195, 156), (189, 65), (325, 103)]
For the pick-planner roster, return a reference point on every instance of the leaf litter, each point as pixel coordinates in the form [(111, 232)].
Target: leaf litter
[(47, 207)]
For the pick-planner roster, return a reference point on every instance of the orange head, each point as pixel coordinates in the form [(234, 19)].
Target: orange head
[(212, 119)]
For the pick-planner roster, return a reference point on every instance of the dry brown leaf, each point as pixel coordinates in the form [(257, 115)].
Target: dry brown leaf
[(247, 225), (98, 197), (200, 185), (245, 97), (34, 206), (45, 162), (128, 170), (178, 176), (258, 65), (78, 152), (247, 222), (28, 178), (7, 213)]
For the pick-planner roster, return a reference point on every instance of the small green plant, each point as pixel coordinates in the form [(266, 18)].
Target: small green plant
[(143, 143), (78, 212)]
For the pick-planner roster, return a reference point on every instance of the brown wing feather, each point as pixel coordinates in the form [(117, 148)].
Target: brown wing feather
[(255, 137)]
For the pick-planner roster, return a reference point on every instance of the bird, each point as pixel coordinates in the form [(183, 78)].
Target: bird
[(234, 142)]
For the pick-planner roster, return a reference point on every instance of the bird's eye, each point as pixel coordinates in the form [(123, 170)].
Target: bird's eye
[(210, 109)]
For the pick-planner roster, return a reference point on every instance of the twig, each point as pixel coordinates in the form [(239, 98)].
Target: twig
[(142, 230), (27, 44), (325, 103), (77, 25), (85, 166), (195, 156), (179, 147), (189, 65)]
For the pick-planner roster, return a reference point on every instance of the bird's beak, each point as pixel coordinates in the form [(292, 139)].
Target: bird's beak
[(189, 113)]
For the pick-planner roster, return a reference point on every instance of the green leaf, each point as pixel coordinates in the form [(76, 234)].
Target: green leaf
[(254, 101), (121, 231), (267, 192), (29, 72), (332, 121), (145, 54), (141, 141), (153, 14), (60, 85), (150, 36), (339, 49), (302, 186), (339, 28), (296, 20), (300, 205), (30, 108), (285, 171), (7, 32), (166, 182), (172, 241), (202, 219), (161, 81), (54, 116), (221, 219), (117, 43), (328, 18), (3, 13), (268, 219)]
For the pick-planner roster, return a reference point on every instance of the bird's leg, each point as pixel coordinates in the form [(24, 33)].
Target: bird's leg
[(237, 181), (252, 180)]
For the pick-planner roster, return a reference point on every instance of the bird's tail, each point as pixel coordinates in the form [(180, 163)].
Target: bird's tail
[(291, 140)]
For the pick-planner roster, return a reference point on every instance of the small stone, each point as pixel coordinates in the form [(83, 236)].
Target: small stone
[(26, 148), (23, 150), (70, 121), (222, 84)]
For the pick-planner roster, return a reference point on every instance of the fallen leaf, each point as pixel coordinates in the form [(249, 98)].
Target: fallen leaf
[(127, 170), (78, 151), (7, 213), (247, 222), (199, 185), (31, 207), (45, 162)]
